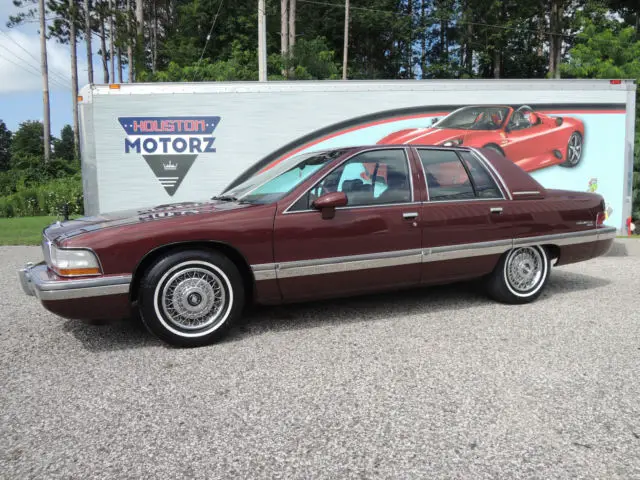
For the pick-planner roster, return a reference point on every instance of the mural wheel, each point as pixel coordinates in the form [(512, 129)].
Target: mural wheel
[(495, 148), (574, 150)]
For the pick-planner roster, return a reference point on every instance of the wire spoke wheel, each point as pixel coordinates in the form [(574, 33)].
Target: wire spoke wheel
[(193, 298), (525, 269)]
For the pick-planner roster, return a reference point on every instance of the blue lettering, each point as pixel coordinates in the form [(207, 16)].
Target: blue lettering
[(209, 148), (183, 144), (194, 145), (164, 141), (128, 144), (149, 145)]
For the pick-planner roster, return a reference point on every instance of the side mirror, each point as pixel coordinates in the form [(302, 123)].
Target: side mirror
[(328, 203)]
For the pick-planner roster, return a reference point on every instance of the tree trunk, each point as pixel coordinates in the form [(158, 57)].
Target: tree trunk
[(119, 65), (554, 17), (292, 24), (74, 75), (497, 62), (129, 44), (140, 47), (468, 53), (46, 121), (409, 54), (111, 42), (103, 50), (154, 44), (87, 34), (423, 38), (284, 27), (345, 51)]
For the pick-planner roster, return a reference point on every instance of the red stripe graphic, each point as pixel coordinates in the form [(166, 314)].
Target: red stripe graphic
[(410, 117)]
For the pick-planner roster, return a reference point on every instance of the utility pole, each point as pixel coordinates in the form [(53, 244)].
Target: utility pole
[(262, 42), (292, 25), (140, 48), (87, 35), (346, 40), (111, 49), (74, 74), (45, 84)]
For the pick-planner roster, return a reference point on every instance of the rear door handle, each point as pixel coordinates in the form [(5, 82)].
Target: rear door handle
[(496, 210), (410, 215)]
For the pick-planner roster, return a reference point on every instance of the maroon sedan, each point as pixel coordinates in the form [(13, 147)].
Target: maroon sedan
[(324, 224)]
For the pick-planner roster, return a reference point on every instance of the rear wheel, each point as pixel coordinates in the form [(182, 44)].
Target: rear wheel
[(520, 275), (191, 298), (495, 148), (574, 150)]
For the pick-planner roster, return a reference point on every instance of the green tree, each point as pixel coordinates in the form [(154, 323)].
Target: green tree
[(28, 141), (5, 147), (63, 147), (609, 49)]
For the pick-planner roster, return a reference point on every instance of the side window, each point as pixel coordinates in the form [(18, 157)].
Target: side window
[(484, 184), (447, 178), (370, 178)]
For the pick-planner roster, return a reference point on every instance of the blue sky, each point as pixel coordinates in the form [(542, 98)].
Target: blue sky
[(20, 80)]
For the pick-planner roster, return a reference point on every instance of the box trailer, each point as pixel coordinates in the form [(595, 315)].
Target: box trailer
[(148, 144)]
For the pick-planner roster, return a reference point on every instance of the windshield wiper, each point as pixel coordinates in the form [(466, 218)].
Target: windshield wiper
[(225, 198)]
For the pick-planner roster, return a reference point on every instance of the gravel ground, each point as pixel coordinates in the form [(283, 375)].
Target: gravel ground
[(438, 383)]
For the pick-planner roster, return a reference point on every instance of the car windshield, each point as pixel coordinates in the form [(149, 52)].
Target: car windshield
[(475, 118), (271, 185)]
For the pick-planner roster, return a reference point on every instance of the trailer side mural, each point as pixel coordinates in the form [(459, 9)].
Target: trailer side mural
[(149, 144), (562, 146)]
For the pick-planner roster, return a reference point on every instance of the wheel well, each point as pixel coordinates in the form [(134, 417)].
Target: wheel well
[(231, 253), (553, 252)]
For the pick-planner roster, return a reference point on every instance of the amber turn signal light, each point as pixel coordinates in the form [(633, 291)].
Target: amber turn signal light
[(77, 272)]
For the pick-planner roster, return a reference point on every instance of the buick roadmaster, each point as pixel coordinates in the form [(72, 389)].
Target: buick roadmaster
[(318, 225)]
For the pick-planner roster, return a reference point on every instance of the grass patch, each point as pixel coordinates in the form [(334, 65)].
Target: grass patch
[(23, 230)]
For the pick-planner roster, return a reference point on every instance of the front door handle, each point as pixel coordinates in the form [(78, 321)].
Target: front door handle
[(410, 215), (496, 210)]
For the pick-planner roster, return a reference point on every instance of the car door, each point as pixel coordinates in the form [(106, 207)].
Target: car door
[(467, 220), (373, 243)]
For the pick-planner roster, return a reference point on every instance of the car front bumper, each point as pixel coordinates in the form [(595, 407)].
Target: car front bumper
[(90, 298)]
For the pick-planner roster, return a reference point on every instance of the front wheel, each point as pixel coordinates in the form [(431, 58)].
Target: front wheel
[(520, 275), (191, 298)]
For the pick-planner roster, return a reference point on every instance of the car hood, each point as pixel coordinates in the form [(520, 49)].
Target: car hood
[(71, 228), (426, 136)]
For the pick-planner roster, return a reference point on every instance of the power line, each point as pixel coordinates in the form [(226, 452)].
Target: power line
[(28, 67), (51, 71), (432, 20), (208, 37)]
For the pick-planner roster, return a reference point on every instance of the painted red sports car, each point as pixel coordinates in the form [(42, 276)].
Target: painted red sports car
[(531, 139), (313, 226)]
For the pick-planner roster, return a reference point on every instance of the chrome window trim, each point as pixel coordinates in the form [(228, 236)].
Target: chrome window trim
[(482, 164), (530, 192), (318, 266), (493, 169), (372, 149)]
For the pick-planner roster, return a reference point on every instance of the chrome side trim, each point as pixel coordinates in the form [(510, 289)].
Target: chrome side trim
[(35, 281), (271, 271), (348, 264), (453, 252), (265, 271)]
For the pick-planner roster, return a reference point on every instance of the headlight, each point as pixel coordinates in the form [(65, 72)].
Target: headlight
[(74, 263), (452, 143)]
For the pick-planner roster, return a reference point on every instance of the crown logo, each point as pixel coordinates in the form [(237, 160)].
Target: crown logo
[(170, 166)]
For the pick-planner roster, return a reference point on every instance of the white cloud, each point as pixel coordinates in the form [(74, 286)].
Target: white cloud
[(20, 63)]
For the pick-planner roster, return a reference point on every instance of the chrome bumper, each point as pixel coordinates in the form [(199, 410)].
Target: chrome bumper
[(39, 281)]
